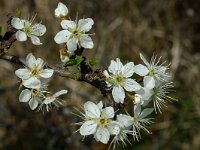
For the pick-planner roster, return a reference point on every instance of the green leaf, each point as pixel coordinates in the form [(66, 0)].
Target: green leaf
[(18, 13), (71, 62), (78, 59), (92, 62)]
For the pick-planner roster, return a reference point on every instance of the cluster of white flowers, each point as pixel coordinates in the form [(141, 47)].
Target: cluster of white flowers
[(34, 78), (142, 84)]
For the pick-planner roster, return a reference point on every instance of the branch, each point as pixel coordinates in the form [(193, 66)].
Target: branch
[(95, 78)]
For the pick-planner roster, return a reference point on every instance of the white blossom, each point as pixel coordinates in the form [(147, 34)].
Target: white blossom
[(51, 100), (26, 29), (120, 79), (138, 121), (160, 95), (33, 72), (74, 34), (61, 10), (33, 96), (98, 121), (123, 129), (152, 71)]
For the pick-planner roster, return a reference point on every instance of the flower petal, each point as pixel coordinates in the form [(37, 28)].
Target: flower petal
[(115, 66), (61, 92), (62, 37), (118, 94), (131, 85), (25, 95), (89, 127), (100, 105), (128, 70), (39, 63), (102, 135), (32, 82), (125, 120), (105, 72), (144, 60), (20, 36), (35, 40), (113, 128), (108, 112), (146, 112), (23, 73), (91, 110), (17, 23), (85, 24), (68, 24), (86, 41), (33, 103), (72, 45), (30, 60), (61, 10), (49, 100), (141, 70), (38, 29), (46, 73), (149, 82), (137, 110)]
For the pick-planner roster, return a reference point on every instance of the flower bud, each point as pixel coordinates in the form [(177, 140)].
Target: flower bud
[(61, 11)]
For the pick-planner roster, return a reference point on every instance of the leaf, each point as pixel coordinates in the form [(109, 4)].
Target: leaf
[(71, 62), (18, 13), (92, 62), (78, 59)]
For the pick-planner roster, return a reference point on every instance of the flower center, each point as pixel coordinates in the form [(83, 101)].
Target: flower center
[(152, 72), (28, 29), (35, 71)]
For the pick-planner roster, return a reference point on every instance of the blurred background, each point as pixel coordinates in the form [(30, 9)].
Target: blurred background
[(123, 28)]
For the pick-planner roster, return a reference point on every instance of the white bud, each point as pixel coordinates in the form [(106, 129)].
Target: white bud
[(61, 10), (138, 99)]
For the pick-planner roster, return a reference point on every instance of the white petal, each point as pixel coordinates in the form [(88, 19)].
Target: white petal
[(85, 24), (125, 120), (68, 24), (113, 128), (105, 72), (38, 29), (61, 92), (62, 37), (46, 73), (35, 40), (17, 23), (33, 103), (86, 41), (128, 70), (102, 135), (89, 127), (21, 36), (108, 112), (72, 44), (100, 105), (49, 100), (149, 82), (131, 85), (137, 110), (30, 60), (61, 10), (141, 70), (23, 73), (146, 112), (25, 95), (118, 94), (40, 63), (32, 82), (144, 60), (91, 110), (115, 66)]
